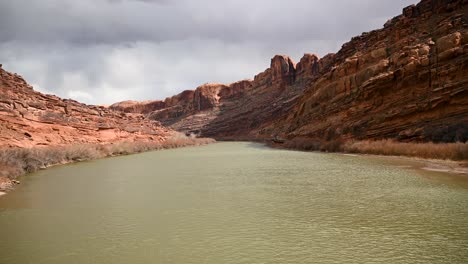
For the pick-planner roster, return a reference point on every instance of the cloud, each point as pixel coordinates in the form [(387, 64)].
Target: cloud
[(110, 50)]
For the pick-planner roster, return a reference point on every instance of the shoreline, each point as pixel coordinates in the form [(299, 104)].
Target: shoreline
[(454, 167), (19, 162), (458, 168), (450, 151)]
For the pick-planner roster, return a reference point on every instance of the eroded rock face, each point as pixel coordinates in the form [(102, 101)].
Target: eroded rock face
[(205, 99), (29, 118), (233, 110), (406, 81), (283, 70), (309, 66)]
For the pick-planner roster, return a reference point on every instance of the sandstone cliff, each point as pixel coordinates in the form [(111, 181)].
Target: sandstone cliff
[(29, 118), (233, 110), (407, 81)]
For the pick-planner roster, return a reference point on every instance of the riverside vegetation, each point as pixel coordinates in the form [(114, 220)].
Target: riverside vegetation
[(427, 150), (15, 162)]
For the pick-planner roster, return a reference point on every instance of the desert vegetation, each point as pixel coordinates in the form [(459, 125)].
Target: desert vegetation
[(304, 143), (18, 161), (427, 150)]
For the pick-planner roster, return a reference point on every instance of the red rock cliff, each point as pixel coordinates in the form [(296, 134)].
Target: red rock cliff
[(29, 118), (406, 81)]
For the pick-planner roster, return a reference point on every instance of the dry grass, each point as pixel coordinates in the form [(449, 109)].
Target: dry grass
[(304, 143), (429, 150), (18, 161), (451, 151)]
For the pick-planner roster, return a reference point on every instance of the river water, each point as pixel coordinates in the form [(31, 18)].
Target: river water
[(235, 203)]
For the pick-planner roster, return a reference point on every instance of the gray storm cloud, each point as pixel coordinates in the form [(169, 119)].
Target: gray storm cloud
[(105, 51)]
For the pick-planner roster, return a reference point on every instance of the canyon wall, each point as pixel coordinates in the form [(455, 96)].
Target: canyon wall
[(407, 81), (29, 118), (233, 110)]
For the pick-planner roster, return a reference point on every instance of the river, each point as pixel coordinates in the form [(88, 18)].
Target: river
[(235, 202)]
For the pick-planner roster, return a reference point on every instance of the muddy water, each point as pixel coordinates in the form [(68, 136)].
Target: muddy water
[(235, 203)]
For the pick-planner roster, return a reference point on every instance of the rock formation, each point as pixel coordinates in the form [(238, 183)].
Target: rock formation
[(407, 81), (231, 111), (29, 118), (189, 110)]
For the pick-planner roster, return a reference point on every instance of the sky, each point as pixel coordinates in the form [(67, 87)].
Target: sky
[(105, 51)]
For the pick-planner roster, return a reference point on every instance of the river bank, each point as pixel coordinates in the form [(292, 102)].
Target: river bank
[(456, 151), (427, 150), (422, 156), (452, 167), (15, 162), (442, 157)]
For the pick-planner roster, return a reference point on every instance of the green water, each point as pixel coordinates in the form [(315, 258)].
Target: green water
[(235, 203)]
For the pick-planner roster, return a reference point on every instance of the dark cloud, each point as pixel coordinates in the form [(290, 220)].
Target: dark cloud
[(109, 50)]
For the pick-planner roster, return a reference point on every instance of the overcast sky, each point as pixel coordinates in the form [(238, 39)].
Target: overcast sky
[(104, 51)]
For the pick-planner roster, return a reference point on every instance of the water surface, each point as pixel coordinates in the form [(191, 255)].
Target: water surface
[(235, 203)]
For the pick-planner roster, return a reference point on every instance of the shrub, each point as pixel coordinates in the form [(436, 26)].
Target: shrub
[(332, 146), (303, 143)]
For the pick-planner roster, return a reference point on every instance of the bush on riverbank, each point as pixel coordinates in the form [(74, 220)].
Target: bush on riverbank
[(17, 161), (303, 143), (429, 150)]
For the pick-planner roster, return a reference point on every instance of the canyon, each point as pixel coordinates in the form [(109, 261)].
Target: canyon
[(407, 81), (401, 90)]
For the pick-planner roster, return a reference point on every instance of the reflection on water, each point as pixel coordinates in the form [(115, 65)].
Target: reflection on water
[(235, 203)]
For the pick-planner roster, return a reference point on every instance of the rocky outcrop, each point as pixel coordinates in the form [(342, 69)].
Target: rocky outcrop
[(407, 81), (283, 71), (29, 118)]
